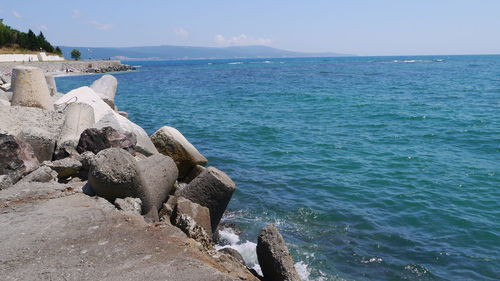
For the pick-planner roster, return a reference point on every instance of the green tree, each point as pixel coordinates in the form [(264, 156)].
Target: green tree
[(58, 51), (75, 54)]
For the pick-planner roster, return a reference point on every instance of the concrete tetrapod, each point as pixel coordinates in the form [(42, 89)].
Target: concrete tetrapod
[(51, 83), (78, 117), (88, 96), (30, 88), (212, 189), (159, 174), (274, 259), (171, 142), (114, 174), (105, 87)]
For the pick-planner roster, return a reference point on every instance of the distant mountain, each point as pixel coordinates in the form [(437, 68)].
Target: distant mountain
[(185, 52)]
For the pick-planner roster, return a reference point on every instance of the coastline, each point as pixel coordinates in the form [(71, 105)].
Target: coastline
[(55, 179)]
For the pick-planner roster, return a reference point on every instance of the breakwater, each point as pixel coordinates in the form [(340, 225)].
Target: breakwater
[(77, 156), (61, 67)]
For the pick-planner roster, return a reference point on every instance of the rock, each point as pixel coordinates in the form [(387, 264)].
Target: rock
[(196, 171), (87, 160), (42, 174), (42, 142), (65, 168), (171, 142), (4, 103), (129, 205), (200, 214), (78, 117), (95, 140), (5, 87), (16, 159), (3, 96), (15, 119), (190, 218), (159, 174), (88, 96), (30, 88), (212, 189), (114, 174), (233, 253), (9, 95), (168, 208), (51, 83), (274, 259), (120, 123), (105, 87)]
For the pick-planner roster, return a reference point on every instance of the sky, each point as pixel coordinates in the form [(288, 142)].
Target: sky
[(360, 27)]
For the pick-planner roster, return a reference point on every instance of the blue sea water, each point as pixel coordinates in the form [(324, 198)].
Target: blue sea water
[(373, 168)]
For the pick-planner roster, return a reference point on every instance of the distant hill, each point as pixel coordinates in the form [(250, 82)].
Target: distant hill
[(185, 52)]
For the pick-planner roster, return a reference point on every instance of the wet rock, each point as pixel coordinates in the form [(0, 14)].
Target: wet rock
[(122, 124), (114, 174), (16, 159), (42, 174), (65, 168), (88, 96), (129, 205), (274, 259), (169, 141), (212, 189), (30, 88), (95, 140), (159, 174)]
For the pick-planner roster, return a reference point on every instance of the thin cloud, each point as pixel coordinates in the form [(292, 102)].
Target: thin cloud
[(181, 33), (76, 14), (100, 25), (43, 27), (241, 40), (16, 14)]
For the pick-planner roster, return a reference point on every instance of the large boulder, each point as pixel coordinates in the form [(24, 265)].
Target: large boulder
[(274, 259), (41, 140), (30, 88), (159, 174), (66, 167), (88, 96), (120, 123), (42, 174), (95, 140), (194, 220), (114, 174), (171, 142), (16, 159), (51, 83), (212, 189), (105, 87), (77, 117)]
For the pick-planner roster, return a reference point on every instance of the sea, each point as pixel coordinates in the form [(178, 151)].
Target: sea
[(372, 168)]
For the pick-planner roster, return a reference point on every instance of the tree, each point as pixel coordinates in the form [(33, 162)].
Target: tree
[(75, 54), (58, 51)]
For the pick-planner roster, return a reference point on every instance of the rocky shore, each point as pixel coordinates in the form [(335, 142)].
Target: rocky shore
[(86, 194)]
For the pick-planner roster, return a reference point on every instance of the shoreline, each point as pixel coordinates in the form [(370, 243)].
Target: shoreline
[(77, 157)]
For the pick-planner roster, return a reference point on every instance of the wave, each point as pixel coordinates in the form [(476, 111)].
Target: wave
[(238, 62), (229, 239)]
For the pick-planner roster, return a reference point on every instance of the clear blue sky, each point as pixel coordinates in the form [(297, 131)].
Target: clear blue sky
[(363, 27)]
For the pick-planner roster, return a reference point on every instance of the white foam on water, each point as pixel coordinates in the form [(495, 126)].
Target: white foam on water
[(229, 239), (238, 62)]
